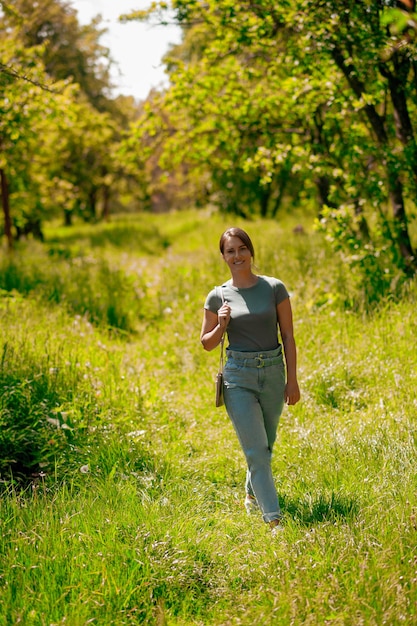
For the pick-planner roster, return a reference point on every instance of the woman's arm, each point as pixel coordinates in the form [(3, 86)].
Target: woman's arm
[(214, 325), (284, 312)]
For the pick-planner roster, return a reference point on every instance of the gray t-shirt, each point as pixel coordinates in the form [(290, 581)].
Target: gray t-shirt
[(253, 318)]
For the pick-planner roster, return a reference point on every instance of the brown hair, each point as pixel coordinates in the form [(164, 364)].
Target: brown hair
[(243, 236)]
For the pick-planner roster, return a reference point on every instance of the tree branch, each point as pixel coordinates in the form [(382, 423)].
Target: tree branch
[(9, 71)]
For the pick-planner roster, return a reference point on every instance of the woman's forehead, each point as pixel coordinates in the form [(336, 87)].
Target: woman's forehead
[(233, 240)]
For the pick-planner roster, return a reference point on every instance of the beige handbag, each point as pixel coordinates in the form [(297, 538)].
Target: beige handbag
[(219, 375)]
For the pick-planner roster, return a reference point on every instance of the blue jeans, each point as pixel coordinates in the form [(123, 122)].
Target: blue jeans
[(254, 384)]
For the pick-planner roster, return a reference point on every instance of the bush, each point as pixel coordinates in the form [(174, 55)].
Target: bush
[(30, 438), (105, 295), (372, 258)]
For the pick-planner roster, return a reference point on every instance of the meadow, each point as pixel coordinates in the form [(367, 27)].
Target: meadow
[(122, 484)]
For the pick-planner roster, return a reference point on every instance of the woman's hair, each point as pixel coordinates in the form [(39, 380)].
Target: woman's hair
[(243, 236)]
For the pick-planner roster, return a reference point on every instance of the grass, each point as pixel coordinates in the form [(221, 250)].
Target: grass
[(131, 509)]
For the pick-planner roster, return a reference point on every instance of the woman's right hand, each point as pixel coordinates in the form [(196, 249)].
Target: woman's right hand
[(223, 315), (214, 326)]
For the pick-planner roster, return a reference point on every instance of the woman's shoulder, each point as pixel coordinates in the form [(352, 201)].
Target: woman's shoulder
[(219, 286), (222, 287), (215, 296), (271, 280), (278, 288)]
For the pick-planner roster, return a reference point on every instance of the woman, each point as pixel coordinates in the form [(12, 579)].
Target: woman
[(250, 307)]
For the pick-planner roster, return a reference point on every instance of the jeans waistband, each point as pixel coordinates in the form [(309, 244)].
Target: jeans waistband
[(256, 359)]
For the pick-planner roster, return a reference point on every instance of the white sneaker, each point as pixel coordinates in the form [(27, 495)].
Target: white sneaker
[(276, 527), (251, 505)]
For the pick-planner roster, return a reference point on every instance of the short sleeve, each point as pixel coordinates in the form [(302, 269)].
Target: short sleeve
[(213, 301), (280, 291)]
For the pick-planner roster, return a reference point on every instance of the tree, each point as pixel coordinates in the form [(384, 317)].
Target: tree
[(69, 51), (24, 103), (374, 66), (320, 94), (58, 138)]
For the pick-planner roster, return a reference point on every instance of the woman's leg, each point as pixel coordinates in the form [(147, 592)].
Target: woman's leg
[(272, 399), (254, 402)]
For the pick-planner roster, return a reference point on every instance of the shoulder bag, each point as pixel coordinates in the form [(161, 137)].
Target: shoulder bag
[(219, 375)]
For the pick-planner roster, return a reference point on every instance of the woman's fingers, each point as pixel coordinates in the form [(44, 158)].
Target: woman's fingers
[(224, 314)]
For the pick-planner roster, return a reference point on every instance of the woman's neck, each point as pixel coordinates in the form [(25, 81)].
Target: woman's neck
[(243, 281)]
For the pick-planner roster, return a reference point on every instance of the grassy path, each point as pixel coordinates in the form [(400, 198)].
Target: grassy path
[(139, 519)]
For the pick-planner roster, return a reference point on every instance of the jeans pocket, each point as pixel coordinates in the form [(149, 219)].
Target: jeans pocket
[(232, 366)]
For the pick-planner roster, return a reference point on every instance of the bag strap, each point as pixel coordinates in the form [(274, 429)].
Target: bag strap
[(221, 362)]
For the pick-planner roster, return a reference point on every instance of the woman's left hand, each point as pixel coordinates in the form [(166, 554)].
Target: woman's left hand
[(292, 393)]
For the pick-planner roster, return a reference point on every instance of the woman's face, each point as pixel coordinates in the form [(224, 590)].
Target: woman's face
[(236, 254)]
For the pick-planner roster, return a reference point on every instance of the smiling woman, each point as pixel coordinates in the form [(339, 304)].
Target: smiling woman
[(257, 381), (137, 48)]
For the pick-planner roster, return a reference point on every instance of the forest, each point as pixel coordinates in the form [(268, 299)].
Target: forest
[(284, 105), (120, 481)]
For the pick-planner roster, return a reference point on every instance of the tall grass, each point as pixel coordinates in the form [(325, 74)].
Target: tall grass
[(134, 511)]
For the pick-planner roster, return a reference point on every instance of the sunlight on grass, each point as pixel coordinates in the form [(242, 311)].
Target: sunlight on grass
[(122, 485)]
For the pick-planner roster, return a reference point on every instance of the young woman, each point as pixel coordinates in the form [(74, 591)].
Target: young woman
[(257, 382)]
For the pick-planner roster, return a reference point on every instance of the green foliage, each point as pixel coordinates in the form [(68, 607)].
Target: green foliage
[(59, 128), (285, 105), (377, 269), (68, 50), (36, 437), (27, 440), (59, 381)]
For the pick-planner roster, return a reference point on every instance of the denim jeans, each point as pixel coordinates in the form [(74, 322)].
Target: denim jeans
[(254, 398)]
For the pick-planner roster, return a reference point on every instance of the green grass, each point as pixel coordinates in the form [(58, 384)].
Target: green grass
[(125, 505)]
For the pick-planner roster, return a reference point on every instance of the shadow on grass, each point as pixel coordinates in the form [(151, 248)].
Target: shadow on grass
[(141, 238), (314, 508)]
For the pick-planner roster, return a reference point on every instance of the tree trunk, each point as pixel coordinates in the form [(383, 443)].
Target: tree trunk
[(323, 187), (6, 209), (265, 193), (402, 234), (106, 203), (283, 179), (92, 203), (397, 81), (67, 217), (363, 224), (321, 149), (358, 87), (395, 188)]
